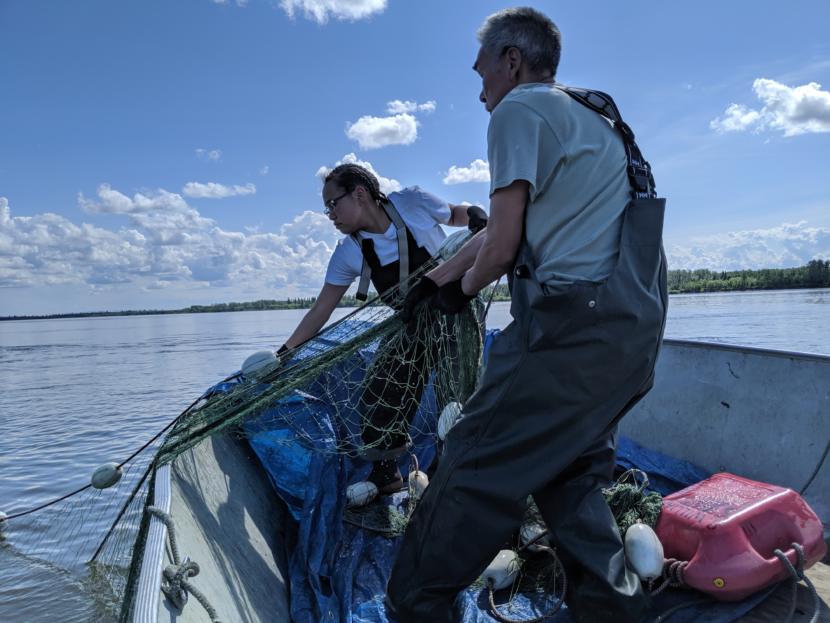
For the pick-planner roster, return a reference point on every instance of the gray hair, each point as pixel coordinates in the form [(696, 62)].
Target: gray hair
[(532, 32)]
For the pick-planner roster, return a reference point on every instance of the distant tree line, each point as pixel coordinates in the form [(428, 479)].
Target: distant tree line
[(816, 274), (261, 305)]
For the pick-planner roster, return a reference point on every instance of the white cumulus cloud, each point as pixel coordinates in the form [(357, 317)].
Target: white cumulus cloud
[(375, 132), (792, 110), (162, 243), (212, 155), (322, 10), (397, 106), (478, 171), (115, 202), (48, 249), (213, 190), (735, 118), (164, 217), (387, 185), (784, 246)]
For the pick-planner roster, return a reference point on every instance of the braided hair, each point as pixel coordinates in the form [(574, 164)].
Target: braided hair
[(350, 176)]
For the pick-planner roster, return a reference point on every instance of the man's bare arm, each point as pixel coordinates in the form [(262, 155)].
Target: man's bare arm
[(459, 263), (318, 315), (504, 235)]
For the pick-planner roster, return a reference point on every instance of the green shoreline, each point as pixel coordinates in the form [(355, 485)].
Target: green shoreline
[(815, 274)]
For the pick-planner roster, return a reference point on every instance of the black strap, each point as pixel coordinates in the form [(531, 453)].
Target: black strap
[(369, 255), (639, 170), (404, 239)]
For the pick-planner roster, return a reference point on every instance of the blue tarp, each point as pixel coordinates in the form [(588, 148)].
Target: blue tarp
[(338, 571)]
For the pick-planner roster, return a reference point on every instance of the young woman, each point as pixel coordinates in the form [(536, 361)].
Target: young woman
[(385, 240)]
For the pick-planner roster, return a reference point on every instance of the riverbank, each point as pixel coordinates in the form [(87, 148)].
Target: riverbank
[(261, 305), (815, 274)]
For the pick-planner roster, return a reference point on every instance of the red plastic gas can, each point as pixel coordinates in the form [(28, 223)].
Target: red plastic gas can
[(727, 527)]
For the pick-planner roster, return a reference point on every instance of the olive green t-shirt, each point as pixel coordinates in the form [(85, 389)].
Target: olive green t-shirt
[(575, 163)]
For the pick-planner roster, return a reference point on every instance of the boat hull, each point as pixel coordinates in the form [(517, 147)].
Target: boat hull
[(228, 520), (761, 414)]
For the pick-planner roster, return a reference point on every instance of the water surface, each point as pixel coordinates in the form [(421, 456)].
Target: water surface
[(75, 393)]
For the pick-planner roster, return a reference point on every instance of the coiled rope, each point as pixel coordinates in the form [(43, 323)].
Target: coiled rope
[(176, 585), (672, 576)]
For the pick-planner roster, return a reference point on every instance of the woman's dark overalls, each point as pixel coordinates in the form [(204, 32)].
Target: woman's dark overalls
[(543, 423), (397, 377)]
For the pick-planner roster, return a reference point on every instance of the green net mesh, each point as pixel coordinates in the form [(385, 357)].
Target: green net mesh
[(91, 541), (58, 558), (630, 502)]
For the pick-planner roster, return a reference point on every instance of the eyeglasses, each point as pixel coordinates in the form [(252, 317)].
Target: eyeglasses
[(331, 204)]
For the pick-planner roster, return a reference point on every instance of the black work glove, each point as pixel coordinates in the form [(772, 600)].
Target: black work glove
[(424, 289), (282, 353), (450, 298), (478, 219)]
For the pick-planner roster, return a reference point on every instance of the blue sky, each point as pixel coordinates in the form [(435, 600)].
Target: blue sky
[(159, 154)]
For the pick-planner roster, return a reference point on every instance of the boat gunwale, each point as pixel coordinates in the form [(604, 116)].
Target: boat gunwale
[(752, 350)]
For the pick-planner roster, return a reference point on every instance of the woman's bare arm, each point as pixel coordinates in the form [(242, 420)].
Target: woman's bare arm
[(318, 315)]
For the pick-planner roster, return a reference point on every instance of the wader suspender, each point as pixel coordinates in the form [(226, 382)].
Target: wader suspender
[(403, 255), (639, 170)]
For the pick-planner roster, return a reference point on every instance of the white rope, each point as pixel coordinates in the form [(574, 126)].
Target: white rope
[(176, 585)]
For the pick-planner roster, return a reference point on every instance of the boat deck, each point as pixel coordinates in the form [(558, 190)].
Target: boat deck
[(776, 608)]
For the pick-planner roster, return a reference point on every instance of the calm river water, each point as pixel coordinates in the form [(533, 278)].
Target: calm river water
[(79, 392)]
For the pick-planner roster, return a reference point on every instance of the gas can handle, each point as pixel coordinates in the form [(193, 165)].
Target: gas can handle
[(767, 568)]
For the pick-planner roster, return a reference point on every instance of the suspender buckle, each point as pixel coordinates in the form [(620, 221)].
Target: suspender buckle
[(640, 177)]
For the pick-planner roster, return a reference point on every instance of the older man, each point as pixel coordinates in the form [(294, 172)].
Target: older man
[(575, 223)]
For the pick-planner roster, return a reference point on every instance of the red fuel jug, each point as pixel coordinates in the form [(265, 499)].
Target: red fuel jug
[(727, 528)]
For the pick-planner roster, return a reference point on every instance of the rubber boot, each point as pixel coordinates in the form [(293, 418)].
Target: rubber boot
[(386, 476), (601, 589)]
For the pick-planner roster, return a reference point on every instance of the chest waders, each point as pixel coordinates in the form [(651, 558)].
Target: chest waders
[(396, 379), (543, 423)]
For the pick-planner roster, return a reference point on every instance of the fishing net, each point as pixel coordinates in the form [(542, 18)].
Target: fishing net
[(372, 372), (54, 562), (363, 385)]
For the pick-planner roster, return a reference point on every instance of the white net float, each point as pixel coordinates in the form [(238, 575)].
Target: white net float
[(643, 551), (106, 476), (418, 482), (503, 570), (450, 416), (360, 493), (257, 362), (453, 243)]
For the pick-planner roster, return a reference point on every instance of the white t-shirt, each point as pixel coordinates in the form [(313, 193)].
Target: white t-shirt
[(423, 214)]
